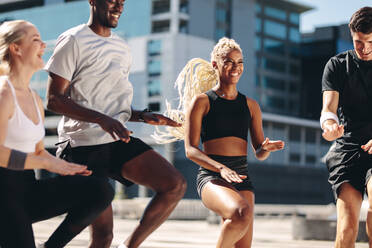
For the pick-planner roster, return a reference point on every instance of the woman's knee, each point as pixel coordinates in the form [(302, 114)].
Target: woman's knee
[(242, 213)]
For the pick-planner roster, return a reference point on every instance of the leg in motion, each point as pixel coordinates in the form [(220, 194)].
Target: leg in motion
[(155, 172), (235, 208), (348, 208), (369, 213)]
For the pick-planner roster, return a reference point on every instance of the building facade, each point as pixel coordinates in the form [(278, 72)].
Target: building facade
[(165, 34)]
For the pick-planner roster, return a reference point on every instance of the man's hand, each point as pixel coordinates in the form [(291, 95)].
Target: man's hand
[(332, 131), (158, 119), (368, 147), (114, 128)]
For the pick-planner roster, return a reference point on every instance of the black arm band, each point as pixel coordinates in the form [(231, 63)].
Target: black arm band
[(17, 160)]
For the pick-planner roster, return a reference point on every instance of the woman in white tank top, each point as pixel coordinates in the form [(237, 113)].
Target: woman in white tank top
[(24, 199)]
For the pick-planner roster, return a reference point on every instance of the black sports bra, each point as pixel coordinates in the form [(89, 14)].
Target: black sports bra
[(226, 117)]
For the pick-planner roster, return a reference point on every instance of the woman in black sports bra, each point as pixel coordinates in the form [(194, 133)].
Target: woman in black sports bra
[(221, 117)]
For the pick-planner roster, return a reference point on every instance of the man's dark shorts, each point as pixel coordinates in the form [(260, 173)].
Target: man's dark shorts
[(348, 163), (106, 160)]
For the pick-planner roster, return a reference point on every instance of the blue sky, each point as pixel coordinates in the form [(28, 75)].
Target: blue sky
[(329, 12)]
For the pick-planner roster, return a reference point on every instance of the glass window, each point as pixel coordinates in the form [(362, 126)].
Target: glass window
[(310, 159), (154, 47), (310, 135), (294, 50), (184, 6), (294, 69), (273, 65), (273, 83), (258, 43), (275, 29), (294, 106), (184, 27), (273, 46), (160, 26), (154, 106), (154, 87), (294, 157), (295, 133), (272, 101), (258, 8), (160, 6), (294, 35), (294, 18), (293, 87), (276, 13), (220, 33), (154, 67), (258, 79), (258, 24), (221, 15), (276, 102)]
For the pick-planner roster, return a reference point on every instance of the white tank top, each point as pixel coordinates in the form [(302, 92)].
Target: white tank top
[(22, 133)]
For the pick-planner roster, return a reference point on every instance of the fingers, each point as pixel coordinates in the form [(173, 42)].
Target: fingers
[(163, 120), (273, 145), (367, 147), (173, 123), (332, 132), (125, 135), (231, 176)]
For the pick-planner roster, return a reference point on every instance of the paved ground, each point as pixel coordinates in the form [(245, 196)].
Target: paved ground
[(268, 233)]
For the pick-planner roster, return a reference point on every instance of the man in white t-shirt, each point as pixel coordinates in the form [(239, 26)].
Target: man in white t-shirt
[(89, 86)]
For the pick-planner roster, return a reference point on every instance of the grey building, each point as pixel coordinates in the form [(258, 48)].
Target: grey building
[(165, 34), (316, 49)]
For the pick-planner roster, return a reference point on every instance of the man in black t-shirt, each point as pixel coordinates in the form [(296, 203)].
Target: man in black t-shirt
[(347, 118)]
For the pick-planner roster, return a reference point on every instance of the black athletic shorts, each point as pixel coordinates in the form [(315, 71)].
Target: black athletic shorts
[(348, 163), (236, 163), (106, 160)]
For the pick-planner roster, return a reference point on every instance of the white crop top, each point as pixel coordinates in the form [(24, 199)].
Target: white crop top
[(22, 133)]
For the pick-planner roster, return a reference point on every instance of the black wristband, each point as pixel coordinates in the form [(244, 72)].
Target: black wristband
[(140, 115), (17, 160)]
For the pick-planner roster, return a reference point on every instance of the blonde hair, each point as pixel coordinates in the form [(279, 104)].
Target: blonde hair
[(223, 47), (198, 76), (10, 32)]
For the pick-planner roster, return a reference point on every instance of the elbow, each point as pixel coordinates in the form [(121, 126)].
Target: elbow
[(189, 154)]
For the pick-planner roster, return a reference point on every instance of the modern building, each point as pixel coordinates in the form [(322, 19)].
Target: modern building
[(316, 49), (165, 34)]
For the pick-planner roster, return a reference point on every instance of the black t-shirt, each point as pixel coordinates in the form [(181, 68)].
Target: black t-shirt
[(352, 78)]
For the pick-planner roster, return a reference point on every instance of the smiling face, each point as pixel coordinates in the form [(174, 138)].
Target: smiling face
[(30, 48), (362, 45), (230, 67), (108, 12)]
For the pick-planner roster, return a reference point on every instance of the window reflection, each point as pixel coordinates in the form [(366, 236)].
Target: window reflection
[(275, 29)]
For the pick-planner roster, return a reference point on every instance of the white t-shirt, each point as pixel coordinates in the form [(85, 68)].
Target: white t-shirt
[(97, 68)]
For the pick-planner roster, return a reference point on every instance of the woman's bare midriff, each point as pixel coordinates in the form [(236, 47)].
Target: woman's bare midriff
[(226, 146)]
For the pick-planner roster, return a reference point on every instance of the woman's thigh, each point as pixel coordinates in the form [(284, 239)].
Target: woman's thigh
[(222, 198)]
